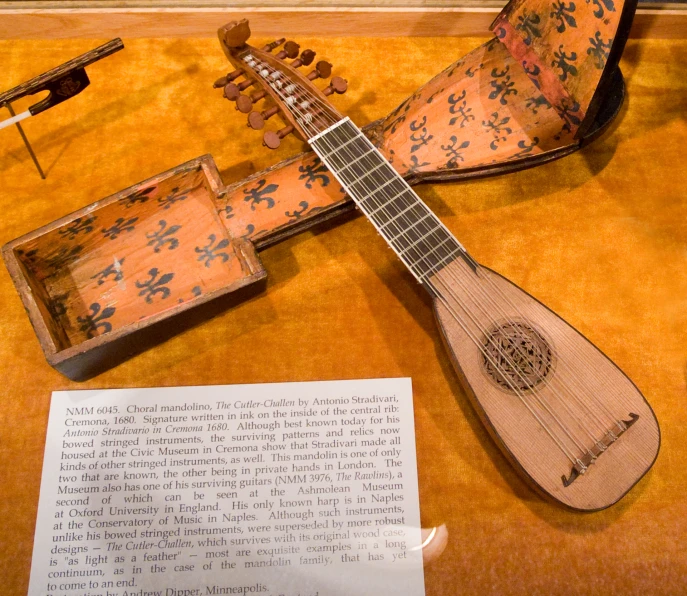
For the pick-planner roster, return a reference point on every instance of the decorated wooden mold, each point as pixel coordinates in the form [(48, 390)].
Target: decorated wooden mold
[(568, 49), (483, 115), (490, 112), (107, 281), (566, 417)]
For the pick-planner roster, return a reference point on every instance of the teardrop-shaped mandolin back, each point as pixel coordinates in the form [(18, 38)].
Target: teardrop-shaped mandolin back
[(567, 417)]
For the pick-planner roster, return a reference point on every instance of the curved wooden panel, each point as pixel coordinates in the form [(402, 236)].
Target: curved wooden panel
[(546, 394), (569, 49)]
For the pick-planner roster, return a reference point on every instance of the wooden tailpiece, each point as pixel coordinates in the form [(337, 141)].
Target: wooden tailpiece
[(596, 450)]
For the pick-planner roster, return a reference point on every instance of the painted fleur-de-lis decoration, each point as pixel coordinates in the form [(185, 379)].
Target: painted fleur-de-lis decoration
[(563, 13), (528, 24), (56, 305), (173, 197), (563, 61), (459, 105), (259, 194), (94, 320), (119, 227), (525, 147), (534, 103), (472, 71), (502, 85), (398, 116), (430, 99), (81, 225), (139, 197), (450, 70), (532, 71), (212, 251), (569, 113), (314, 172), (163, 237), (599, 50), (28, 256), (297, 213), (498, 128), (491, 44), (250, 228), (228, 212), (114, 270), (600, 5), (155, 285), (453, 152), (423, 137), (63, 256), (196, 291), (415, 165)]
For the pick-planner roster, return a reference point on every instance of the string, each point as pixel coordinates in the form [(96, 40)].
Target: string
[(578, 443), (516, 328), (306, 121), (293, 106), (564, 339)]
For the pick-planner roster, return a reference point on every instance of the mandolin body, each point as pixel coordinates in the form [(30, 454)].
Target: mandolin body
[(529, 375)]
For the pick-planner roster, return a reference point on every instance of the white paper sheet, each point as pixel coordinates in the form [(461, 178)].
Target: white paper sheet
[(291, 489)]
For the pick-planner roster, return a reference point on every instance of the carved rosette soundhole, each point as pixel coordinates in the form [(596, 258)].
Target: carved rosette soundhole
[(516, 356)]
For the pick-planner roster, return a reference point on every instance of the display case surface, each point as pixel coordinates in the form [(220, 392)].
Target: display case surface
[(599, 236)]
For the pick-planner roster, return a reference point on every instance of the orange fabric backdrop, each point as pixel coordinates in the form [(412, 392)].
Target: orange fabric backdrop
[(600, 237)]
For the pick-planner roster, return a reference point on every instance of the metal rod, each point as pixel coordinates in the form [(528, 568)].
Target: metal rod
[(26, 142)]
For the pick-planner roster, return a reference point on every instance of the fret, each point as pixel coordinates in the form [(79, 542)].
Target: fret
[(435, 248), (325, 133), (394, 178), (368, 173), (409, 218), (357, 146), (356, 160), (449, 255), (395, 209), (422, 238), (374, 192), (406, 230), (339, 148), (388, 202), (410, 228), (421, 252), (429, 263)]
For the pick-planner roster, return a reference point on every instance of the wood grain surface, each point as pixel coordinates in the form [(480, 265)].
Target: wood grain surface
[(599, 236), (580, 388), (55, 22)]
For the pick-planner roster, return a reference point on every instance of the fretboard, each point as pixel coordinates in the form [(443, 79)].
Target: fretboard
[(410, 228)]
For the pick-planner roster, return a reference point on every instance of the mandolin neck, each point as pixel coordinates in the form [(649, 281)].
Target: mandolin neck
[(409, 227)]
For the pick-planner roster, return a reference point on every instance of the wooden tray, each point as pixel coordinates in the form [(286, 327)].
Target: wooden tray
[(109, 280)]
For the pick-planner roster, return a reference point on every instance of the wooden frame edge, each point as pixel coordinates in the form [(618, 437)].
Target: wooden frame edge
[(98, 23)]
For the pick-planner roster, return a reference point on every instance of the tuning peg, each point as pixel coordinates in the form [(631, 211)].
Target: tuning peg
[(322, 70), (245, 84), (305, 59), (232, 91), (273, 139), (245, 102), (256, 120), (272, 45), (336, 85), (291, 49), (222, 82)]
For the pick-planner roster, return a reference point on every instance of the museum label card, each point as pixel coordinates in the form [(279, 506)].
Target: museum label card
[(290, 489)]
